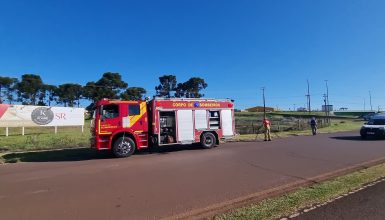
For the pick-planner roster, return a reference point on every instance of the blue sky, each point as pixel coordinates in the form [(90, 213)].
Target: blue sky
[(236, 46)]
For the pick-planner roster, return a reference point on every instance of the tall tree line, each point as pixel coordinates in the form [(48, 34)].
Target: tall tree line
[(31, 90), (169, 87)]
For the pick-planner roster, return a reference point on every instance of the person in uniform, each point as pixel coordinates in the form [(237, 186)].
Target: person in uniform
[(266, 126)]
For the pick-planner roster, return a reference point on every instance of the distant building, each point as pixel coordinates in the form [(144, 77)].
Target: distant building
[(260, 109), (301, 109), (328, 108)]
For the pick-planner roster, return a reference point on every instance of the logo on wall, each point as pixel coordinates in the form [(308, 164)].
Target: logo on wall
[(197, 104), (42, 116)]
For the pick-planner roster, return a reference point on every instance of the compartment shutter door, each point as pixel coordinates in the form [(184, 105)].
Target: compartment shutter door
[(227, 123), (185, 126), (201, 119)]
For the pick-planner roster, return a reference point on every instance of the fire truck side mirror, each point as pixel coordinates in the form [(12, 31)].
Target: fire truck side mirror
[(104, 115), (101, 113)]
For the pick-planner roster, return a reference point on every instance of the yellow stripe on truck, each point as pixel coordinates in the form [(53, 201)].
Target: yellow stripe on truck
[(135, 118)]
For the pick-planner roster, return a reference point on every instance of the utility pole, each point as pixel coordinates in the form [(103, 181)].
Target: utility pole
[(364, 104), (325, 106), (308, 97), (370, 100), (264, 102), (327, 102)]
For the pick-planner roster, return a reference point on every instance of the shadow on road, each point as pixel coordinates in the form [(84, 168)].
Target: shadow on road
[(355, 138), (78, 154), (81, 154), (170, 149)]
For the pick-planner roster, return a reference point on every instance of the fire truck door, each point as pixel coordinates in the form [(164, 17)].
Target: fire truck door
[(227, 123), (137, 120), (109, 119), (185, 126)]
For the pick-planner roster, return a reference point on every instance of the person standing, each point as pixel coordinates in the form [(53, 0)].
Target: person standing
[(313, 125), (266, 126)]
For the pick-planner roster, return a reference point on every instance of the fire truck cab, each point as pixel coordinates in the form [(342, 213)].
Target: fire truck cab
[(126, 126)]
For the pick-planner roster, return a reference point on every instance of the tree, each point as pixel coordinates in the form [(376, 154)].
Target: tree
[(41, 97), (79, 94), (191, 88), (29, 88), (69, 94), (51, 93), (167, 85), (133, 93), (7, 89), (90, 91), (109, 86), (180, 90)]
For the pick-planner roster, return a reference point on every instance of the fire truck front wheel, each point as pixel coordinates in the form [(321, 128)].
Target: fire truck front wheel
[(123, 147), (208, 140)]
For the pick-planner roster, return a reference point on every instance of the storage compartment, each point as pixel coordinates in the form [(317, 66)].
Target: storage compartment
[(167, 127), (214, 119)]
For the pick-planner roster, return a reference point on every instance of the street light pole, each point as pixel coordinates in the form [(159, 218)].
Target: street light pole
[(325, 107), (308, 97), (370, 100), (264, 102), (327, 102)]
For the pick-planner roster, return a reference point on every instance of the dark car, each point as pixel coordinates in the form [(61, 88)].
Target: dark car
[(374, 128)]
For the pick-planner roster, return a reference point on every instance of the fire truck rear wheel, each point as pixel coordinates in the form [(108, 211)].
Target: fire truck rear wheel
[(208, 140), (123, 147)]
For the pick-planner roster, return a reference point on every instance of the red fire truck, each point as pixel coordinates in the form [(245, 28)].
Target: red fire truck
[(126, 126)]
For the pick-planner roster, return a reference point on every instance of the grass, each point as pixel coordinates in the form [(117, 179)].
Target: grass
[(337, 125), (304, 114), (343, 125), (43, 138), (287, 204)]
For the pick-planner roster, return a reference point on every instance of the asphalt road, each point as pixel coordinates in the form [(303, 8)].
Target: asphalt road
[(366, 204), (153, 186)]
